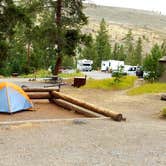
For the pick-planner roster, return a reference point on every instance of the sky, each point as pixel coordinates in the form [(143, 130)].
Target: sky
[(152, 5)]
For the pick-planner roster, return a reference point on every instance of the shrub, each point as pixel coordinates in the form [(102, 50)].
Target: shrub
[(118, 75), (163, 113), (151, 64)]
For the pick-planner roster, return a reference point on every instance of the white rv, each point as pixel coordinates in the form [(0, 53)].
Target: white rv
[(84, 65), (111, 65)]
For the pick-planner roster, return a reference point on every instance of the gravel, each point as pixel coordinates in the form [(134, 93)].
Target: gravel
[(98, 142), (140, 141)]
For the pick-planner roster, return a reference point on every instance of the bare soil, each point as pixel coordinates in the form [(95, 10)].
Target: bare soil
[(140, 107), (43, 110)]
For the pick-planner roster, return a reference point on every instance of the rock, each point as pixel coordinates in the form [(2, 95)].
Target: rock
[(79, 121), (163, 97)]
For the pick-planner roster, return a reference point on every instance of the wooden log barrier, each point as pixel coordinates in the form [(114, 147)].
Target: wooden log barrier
[(114, 115), (40, 89), (39, 96), (76, 108)]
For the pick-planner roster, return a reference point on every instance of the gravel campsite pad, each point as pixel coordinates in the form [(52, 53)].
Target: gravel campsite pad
[(140, 140)]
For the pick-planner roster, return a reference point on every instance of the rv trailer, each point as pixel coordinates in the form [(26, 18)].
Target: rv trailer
[(111, 65), (84, 65)]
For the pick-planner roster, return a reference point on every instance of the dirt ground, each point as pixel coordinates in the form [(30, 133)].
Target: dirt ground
[(138, 141), (43, 110), (140, 107)]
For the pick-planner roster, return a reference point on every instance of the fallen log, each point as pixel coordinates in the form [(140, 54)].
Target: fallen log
[(163, 97), (76, 108), (114, 115), (39, 96), (27, 89)]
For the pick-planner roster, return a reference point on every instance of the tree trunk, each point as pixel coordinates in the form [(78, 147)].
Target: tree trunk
[(72, 107), (59, 39), (40, 96), (114, 115), (27, 89), (28, 54), (57, 65)]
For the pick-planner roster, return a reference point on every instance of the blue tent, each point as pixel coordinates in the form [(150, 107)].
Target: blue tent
[(13, 98)]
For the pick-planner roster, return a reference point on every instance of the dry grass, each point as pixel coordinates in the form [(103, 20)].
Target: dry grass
[(148, 88), (109, 84)]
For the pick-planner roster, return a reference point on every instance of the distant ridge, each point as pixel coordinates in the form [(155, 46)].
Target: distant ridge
[(136, 17), (148, 25)]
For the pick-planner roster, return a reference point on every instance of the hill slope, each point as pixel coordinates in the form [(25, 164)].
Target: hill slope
[(151, 26)]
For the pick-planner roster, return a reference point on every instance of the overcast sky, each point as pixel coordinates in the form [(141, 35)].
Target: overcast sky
[(152, 5)]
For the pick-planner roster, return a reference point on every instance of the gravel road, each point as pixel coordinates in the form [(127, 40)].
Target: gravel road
[(96, 143)]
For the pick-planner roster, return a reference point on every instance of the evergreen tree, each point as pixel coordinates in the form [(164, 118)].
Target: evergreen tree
[(118, 52), (102, 44), (129, 48), (68, 62), (121, 53), (151, 63), (115, 52), (10, 15), (89, 51), (163, 48), (69, 19), (137, 59)]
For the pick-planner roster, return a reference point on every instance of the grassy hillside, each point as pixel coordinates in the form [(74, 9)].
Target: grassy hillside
[(151, 26), (126, 16)]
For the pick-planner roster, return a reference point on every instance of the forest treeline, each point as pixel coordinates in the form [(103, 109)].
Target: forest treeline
[(34, 34)]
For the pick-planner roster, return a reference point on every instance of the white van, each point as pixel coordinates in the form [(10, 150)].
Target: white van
[(130, 70)]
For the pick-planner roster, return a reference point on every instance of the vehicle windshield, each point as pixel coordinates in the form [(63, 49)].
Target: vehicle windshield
[(86, 64)]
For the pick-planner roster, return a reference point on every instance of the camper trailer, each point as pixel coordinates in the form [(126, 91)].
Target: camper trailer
[(111, 65), (84, 65)]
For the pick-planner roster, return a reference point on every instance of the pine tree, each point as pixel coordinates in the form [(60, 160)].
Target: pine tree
[(102, 44), (151, 63), (89, 51), (69, 19), (163, 48), (137, 59), (129, 48), (121, 53), (115, 52), (10, 15)]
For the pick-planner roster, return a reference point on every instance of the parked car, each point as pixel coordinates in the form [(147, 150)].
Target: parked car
[(132, 70), (139, 72)]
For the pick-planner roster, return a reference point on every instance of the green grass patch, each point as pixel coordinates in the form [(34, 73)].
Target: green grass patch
[(39, 74), (71, 75), (44, 73), (109, 84), (148, 88)]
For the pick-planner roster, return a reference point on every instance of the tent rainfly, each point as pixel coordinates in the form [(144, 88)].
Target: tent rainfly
[(13, 98)]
